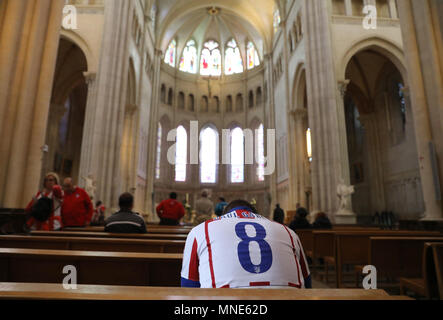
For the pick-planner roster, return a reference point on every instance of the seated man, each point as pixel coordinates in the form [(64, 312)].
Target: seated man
[(170, 211), (125, 221), (242, 249)]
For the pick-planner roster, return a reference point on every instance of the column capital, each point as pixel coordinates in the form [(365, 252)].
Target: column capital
[(343, 87)]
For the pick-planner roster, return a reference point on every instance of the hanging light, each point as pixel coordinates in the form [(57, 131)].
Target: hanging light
[(308, 144)]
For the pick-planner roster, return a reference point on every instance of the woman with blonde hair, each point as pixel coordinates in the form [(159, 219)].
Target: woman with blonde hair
[(53, 191)]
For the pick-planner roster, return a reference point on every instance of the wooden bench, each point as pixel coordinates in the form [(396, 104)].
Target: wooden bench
[(406, 260), (96, 292), (437, 251), (151, 229), (109, 235), (353, 247), (93, 267), (13, 221), (93, 244)]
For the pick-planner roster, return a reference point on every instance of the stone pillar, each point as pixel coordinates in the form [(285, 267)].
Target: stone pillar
[(326, 115), (28, 52), (88, 128), (423, 46), (52, 135), (377, 187), (106, 106), (152, 138), (348, 7), (298, 175)]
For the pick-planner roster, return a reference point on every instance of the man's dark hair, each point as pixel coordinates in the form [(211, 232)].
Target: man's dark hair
[(126, 201), (98, 203), (222, 199), (237, 204), (302, 212), (173, 195)]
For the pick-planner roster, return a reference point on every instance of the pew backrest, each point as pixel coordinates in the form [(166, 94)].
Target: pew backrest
[(93, 244), (92, 267), (109, 235)]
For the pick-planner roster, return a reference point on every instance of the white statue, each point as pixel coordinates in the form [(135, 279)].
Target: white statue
[(90, 186), (344, 192)]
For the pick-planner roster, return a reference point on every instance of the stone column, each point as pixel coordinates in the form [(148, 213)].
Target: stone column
[(106, 107), (152, 138), (326, 115), (88, 128), (28, 52), (298, 175), (423, 46), (52, 135), (348, 7), (377, 187)]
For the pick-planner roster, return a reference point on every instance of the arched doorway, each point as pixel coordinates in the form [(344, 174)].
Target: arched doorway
[(382, 151), (67, 112)]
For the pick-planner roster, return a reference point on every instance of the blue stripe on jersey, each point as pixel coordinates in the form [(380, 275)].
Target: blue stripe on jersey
[(185, 283)]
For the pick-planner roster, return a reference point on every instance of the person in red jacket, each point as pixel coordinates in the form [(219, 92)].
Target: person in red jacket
[(77, 208), (52, 190), (170, 211)]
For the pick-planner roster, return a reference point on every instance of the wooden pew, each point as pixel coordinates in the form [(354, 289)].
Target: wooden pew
[(96, 292), (306, 239), (437, 251), (93, 267), (353, 247), (404, 259), (150, 230), (93, 244), (323, 246), (109, 235)]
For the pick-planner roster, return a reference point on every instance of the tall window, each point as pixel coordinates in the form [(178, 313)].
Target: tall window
[(210, 62), (253, 60), (237, 156), (208, 155), (170, 53), (181, 154), (277, 20), (159, 152), (188, 62), (233, 60), (261, 153)]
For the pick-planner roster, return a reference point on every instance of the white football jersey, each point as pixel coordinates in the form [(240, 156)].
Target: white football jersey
[(242, 249)]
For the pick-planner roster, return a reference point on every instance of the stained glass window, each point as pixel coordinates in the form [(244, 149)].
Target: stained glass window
[(159, 152), (181, 154), (170, 53), (261, 153), (188, 62), (233, 60), (210, 62), (208, 155), (237, 156), (253, 59)]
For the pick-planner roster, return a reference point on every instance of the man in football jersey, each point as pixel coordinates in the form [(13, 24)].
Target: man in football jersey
[(242, 249)]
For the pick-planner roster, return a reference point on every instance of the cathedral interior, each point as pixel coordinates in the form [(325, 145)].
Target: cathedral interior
[(315, 97)]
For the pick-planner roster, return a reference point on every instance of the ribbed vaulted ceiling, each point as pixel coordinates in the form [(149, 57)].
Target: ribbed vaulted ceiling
[(239, 19)]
